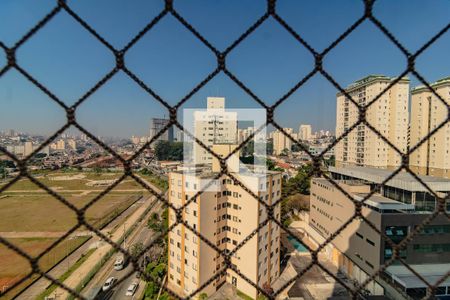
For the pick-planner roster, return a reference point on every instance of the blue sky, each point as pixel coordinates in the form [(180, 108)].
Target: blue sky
[(68, 60)]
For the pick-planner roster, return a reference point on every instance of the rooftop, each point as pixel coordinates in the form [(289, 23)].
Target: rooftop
[(432, 273), (438, 83), (383, 203), (402, 180), (369, 79)]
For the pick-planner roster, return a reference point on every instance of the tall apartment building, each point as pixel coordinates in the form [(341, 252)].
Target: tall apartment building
[(225, 216), (156, 126), (395, 209), (389, 115), (28, 148), (215, 125), (427, 113), (281, 142), (305, 132)]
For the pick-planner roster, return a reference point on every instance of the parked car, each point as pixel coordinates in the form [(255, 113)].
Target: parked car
[(108, 283), (132, 289)]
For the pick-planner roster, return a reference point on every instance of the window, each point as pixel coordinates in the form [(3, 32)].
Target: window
[(369, 264), (428, 248)]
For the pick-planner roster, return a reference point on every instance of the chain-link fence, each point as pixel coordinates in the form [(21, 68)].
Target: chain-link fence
[(317, 170)]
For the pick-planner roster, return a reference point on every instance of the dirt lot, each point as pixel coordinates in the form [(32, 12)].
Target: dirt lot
[(42, 212), (13, 266), (24, 207), (51, 181)]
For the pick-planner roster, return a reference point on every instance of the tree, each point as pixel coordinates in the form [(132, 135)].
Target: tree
[(154, 222), (5, 164), (269, 148), (298, 148), (165, 150), (159, 224), (3, 172), (284, 152), (331, 161), (203, 296), (248, 149), (271, 166), (300, 183), (136, 249), (97, 171)]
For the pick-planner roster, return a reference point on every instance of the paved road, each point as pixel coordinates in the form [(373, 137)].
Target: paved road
[(40, 285), (93, 289)]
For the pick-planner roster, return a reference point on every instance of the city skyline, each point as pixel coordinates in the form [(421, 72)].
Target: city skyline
[(260, 62)]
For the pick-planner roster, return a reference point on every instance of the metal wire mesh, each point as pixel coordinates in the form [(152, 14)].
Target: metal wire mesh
[(221, 56)]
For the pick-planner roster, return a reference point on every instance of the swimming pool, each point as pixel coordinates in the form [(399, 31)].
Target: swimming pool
[(296, 244)]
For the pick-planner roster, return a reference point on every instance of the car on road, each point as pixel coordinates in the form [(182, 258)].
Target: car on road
[(132, 289), (108, 283), (119, 263)]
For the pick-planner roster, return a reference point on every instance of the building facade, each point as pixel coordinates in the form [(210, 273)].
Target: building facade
[(281, 141), (389, 115), (305, 132), (395, 209), (214, 125), (225, 215), (156, 126), (427, 113)]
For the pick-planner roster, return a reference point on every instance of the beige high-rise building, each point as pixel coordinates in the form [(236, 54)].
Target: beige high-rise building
[(304, 132), (281, 141), (427, 113), (28, 148), (225, 215), (72, 144), (213, 126), (389, 115)]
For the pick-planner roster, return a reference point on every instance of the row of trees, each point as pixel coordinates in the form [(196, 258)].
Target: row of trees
[(295, 193), (156, 270), (4, 165), (165, 150)]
